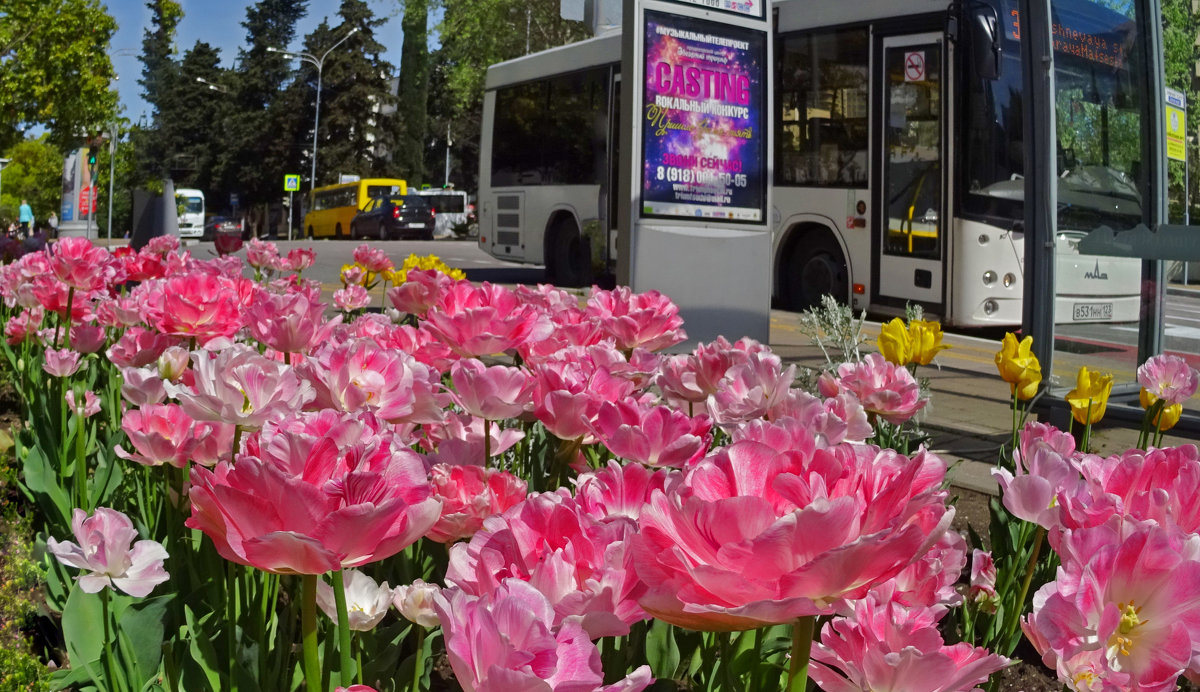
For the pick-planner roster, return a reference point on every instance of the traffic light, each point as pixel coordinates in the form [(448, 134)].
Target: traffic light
[(92, 157)]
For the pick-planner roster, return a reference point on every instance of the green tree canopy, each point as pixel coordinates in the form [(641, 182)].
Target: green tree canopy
[(34, 174), (55, 69)]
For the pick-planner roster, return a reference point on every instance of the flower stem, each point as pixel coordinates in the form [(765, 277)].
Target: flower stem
[(802, 636), (308, 629), (1030, 567), (419, 660), (81, 462), (339, 597), (108, 643)]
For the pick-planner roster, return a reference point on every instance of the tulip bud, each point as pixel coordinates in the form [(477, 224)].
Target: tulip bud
[(172, 363), (415, 603)]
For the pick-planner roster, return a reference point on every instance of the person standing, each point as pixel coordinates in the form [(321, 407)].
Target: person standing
[(25, 216), (52, 222)]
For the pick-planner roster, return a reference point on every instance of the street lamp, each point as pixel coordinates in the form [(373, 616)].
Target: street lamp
[(210, 85), (319, 63)]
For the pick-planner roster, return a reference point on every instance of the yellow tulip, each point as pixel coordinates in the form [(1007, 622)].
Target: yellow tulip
[(1018, 366), (1168, 417), (926, 338), (894, 342), (1090, 396)]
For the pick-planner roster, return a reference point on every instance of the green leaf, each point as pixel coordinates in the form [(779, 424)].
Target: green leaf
[(42, 480), (141, 625), (83, 628), (203, 655), (662, 653)]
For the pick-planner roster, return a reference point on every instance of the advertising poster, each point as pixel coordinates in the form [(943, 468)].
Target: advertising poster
[(750, 8), (703, 134), (70, 186)]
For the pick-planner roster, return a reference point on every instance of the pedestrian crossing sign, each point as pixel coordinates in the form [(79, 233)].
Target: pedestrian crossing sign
[(291, 182)]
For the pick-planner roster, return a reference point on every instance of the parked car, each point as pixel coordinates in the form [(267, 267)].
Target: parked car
[(390, 218), (221, 224)]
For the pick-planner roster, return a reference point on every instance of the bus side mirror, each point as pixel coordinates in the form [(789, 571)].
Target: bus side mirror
[(983, 30)]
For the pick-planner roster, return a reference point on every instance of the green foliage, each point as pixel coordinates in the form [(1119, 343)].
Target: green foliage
[(34, 174), (20, 580), (1180, 55), (412, 120), (55, 69)]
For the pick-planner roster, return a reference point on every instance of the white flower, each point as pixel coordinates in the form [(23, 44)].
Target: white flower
[(415, 603), (366, 601)]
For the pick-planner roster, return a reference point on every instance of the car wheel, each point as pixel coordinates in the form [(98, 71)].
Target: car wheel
[(353, 231), (381, 232), (337, 232), (817, 269)]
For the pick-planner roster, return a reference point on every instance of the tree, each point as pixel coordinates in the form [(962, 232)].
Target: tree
[(54, 69), (412, 92), (35, 175), (189, 114), (1180, 56), (475, 34), (261, 144), (355, 96), (160, 72)]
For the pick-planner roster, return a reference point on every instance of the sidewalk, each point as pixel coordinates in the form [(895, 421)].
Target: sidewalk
[(969, 415)]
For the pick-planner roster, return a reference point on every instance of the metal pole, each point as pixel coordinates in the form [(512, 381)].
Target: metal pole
[(316, 124), (91, 202), (112, 159), (1187, 197), (291, 219), (447, 181)]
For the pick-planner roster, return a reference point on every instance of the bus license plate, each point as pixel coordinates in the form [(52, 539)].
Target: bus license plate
[(1092, 311)]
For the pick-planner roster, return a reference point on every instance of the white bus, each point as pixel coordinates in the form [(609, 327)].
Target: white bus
[(898, 171), (450, 207), (190, 204)]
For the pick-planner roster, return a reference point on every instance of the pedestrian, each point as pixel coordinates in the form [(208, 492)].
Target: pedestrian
[(25, 216), (52, 222)]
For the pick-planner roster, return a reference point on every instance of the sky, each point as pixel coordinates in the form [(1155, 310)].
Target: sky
[(219, 23)]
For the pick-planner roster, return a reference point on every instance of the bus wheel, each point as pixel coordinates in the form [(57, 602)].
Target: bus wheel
[(817, 268), (311, 235), (572, 257), (337, 232)]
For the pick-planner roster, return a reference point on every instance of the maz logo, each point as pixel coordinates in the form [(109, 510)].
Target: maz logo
[(1096, 273)]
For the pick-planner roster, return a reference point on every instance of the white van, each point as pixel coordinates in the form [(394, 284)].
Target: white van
[(450, 210), (190, 204)]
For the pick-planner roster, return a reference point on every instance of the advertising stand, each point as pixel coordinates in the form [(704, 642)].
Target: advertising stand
[(696, 161)]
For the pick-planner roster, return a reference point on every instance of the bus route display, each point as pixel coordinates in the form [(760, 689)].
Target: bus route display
[(703, 129)]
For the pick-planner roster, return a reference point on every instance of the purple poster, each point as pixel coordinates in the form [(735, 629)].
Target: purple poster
[(702, 132)]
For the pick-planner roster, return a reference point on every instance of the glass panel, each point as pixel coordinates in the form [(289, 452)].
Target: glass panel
[(913, 147), (823, 103)]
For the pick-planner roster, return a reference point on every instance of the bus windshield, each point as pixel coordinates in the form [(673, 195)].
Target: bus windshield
[(1098, 107)]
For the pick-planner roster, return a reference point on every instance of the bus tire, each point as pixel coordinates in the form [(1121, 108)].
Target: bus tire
[(311, 235), (572, 257), (337, 232), (816, 268)]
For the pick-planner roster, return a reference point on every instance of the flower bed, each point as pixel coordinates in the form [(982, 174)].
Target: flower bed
[(215, 460)]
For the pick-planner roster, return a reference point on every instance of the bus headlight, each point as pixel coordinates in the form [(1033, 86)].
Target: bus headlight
[(990, 307), (1009, 280), (989, 277)]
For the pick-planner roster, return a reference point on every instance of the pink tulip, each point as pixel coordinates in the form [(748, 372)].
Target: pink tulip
[(459, 441), (240, 386), (213, 443), (651, 435), (23, 326), (470, 494), (1161, 485), (351, 298), (173, 363), (62, 362), (485, 320), (87, 338), (261, 254), (505, 641), (649, 320), (719, 551), (87, 408), (375, 260), (1043, 473), (289, 323), (494, 393), (360, 375), (366, 601), (1129, 590), (106, 550), (139, 346), (886, 647), (983, 580), (199, 306), (160, 434), (422, 345), (883, 388), (79, 264), (616, 492), (930, 581), (162, 245), (142, 386), (751, 389), (299, 259), (580, 564), (421, 290), (1169, 378), (415, 602), (314, 503), (569, 392)]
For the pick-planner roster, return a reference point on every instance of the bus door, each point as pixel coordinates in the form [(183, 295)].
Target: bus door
[(912, 224)]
